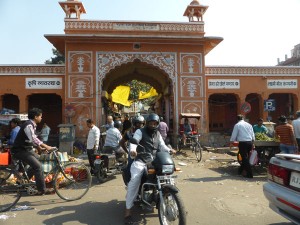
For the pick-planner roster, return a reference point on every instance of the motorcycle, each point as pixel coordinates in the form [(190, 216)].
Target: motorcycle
[(158, 190), (108, 164)]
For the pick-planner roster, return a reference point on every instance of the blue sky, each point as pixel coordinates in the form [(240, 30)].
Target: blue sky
[(255, 32)]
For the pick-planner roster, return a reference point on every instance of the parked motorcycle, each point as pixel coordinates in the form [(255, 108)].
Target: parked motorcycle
[(158, 190), (108, 164)]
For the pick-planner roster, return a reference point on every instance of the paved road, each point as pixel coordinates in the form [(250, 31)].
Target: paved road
[(212, 193)]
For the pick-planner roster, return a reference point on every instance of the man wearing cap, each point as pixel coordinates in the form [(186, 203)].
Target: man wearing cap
[(285, 133), (296, 126)]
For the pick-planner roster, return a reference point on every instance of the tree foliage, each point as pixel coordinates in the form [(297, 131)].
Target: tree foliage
[(137, 86), (57, 59)]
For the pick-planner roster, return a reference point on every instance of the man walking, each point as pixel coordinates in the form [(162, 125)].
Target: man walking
[(163, 129), (243, 133), (92, 143), (285, 133)]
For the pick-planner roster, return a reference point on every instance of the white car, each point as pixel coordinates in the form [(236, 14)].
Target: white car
[(283, 186)]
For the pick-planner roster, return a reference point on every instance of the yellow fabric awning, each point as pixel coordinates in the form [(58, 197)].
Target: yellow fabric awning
[(152, 92), (120, 95)]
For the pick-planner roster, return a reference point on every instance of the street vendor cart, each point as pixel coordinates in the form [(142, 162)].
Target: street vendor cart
[(266, 149)]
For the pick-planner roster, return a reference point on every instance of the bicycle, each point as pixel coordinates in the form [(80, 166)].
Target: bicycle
[(71, 181), (193, 142)]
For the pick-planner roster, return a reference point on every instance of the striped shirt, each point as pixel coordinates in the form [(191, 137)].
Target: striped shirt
[(113, 137), (285, 132)]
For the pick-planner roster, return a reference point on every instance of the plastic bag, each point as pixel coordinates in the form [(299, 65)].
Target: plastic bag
[(253, 157)]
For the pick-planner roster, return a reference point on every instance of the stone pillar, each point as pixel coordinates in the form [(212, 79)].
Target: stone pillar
[(23, 103)]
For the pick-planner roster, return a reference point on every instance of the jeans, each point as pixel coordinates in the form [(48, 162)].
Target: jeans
[(287, 149), (31, 158)]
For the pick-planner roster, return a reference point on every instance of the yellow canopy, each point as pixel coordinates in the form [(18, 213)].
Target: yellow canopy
[(152, 92), (120, 95)]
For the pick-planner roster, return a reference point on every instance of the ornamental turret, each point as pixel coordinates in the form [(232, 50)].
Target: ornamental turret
[(72, 8), (195, 11)]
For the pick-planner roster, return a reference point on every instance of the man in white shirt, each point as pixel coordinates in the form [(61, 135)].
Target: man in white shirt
[(244, 134), (92, 142), (296, 126)]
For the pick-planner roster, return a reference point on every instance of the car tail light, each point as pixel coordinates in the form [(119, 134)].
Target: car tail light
[(278, 174)]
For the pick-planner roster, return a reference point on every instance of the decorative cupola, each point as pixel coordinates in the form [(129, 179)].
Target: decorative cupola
[(72, 7), (195, 11)]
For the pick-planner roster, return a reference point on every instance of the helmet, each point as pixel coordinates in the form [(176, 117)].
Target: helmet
[(118, 124), (152, 117), (138, 119)]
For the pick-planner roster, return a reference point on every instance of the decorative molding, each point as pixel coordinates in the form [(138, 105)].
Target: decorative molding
[(192, 107), (80, 62), (191, 87), (107, 61), (251, 71), (190, 63), (81, 86), (33, 69), (99, 26)]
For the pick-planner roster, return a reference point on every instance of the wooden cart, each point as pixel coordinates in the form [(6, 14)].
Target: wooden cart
[(266, 150)]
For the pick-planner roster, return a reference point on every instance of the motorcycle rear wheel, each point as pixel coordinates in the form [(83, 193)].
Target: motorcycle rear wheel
[(174, 213), (101, 174)]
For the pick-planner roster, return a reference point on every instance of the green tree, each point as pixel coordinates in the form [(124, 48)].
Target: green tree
[(57, 59)]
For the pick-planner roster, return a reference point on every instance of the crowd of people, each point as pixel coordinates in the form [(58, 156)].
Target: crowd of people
[(287, 132)]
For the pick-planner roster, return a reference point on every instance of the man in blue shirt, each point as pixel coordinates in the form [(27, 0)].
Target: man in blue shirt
[(259, 127), (15, 126)]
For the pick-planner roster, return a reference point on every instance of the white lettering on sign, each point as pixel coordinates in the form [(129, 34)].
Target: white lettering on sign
[(129, 26), (223, 84), (282, 84), (43, 83)]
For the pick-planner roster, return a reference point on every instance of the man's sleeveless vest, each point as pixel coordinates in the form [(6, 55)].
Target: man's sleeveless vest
[(150, 142), (22, 142)]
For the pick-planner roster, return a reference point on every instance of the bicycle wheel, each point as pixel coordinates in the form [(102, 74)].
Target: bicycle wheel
[(10, 190), (198, 151), (74, 184)]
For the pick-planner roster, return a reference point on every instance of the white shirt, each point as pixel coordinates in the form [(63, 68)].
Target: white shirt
[(296, 126), (93, 138), (242, 131)]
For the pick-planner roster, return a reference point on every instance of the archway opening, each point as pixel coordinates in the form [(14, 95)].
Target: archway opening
[(148, 74), (222, 112)]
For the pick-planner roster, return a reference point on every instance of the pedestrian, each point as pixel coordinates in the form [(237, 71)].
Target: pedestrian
[(92, 142), (23, 149), (44, 134), (244, 134), (260, 127), (296, 127), (126, 124), (109, 122), (15, 126), (285, 133), (163, 129)]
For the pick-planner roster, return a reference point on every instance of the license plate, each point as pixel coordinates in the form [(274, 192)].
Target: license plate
[(295, 180), (97, 161)]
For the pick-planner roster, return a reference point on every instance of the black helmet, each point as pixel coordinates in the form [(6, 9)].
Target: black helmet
[(118, 124), (152, 117), (138, 119)]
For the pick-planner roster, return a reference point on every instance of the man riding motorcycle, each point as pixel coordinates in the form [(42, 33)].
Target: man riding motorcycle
[(150, 138), (137, 122), (113, 137)]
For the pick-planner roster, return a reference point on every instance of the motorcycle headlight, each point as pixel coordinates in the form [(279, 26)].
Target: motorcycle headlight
[(167, 169)]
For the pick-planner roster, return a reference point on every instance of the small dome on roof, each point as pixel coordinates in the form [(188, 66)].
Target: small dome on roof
[(195, 2)]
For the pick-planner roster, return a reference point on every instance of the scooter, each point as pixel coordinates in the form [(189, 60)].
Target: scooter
[(158, 190), (108, 164)]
